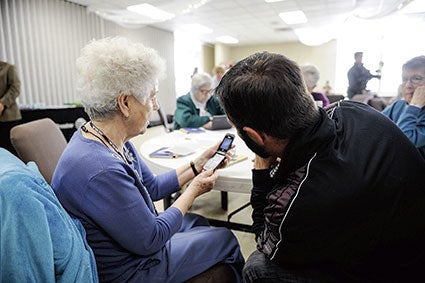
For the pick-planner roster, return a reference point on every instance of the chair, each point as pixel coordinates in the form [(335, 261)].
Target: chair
[(40, 141), (335, 97), (164, 120), (372, 100)]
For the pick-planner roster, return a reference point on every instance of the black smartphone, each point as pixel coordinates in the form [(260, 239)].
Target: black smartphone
[(220, 154)]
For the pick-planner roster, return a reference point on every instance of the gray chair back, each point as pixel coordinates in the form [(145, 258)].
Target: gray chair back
[(40, 141)]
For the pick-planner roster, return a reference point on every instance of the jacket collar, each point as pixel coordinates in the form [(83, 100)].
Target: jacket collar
[(305, 144)]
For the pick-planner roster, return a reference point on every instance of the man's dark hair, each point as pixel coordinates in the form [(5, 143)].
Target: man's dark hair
[(357, 54), (415, 63), (266, 92)]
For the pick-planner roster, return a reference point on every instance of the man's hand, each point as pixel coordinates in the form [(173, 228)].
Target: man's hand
[(264, 163), (208, 125), (418, 98)]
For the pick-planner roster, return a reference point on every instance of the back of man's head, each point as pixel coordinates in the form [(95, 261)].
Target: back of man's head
[(266, 92)]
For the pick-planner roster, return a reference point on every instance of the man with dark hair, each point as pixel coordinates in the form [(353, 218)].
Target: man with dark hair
[(409, 113), (358, 76), (335, 197)]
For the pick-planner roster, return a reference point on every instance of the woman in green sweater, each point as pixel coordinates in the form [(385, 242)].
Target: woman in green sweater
[(196, 108)]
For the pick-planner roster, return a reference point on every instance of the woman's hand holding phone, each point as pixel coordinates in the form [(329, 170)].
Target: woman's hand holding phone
[(208, 154), (219, 157)]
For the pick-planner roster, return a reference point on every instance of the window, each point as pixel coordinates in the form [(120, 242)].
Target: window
[(187, 50), (392, 40)]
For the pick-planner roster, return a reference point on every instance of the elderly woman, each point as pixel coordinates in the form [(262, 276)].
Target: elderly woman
[(311, 76), (196, 108), (101, 180)]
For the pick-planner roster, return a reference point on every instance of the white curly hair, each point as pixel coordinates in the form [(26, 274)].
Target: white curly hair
[(198, 81), (114, 65), (311, 75)]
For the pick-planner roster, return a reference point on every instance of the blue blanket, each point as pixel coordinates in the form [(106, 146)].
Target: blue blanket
[(39, 241)]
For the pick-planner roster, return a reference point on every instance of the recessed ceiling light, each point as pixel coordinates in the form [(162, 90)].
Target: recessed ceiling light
[(151, 12), (227, 39), (293, 17), (316, 36), (273, 1)]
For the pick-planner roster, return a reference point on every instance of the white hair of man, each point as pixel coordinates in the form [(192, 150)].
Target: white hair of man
[(200, 80), (112, 66), (311, 75)]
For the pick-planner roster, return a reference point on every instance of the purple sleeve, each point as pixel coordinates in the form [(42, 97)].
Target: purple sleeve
[(115, 204), (318, 96), (159, 186)]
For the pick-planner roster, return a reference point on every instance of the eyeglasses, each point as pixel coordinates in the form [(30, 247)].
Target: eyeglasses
[(153, 100), (205, 91), (414, 80)]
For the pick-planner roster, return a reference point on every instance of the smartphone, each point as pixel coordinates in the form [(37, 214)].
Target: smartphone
[(220, 154)]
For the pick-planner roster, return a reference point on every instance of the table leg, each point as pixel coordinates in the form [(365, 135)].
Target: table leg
[(167, 202), (224, 202)]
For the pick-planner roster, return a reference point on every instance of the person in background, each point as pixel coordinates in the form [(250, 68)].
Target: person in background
[(218, 73), (358, 76), (196, 108), (409, 112), (9, 110), (398, 96), (335, 197), (229, 65), (195, 71), (101, 179), (311, 76), (327, 89)]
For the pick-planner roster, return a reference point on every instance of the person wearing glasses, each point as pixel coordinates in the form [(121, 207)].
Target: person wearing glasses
[(196, 108), (101, 180), (409, 112)]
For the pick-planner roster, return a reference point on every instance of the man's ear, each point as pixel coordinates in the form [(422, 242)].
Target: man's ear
[(123, 104), (254, 135)]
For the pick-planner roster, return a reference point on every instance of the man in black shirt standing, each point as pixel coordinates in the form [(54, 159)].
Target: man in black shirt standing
[(358, 76)]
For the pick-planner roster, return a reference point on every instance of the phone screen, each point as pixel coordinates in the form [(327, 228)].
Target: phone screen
[(219, 156), (226, 143)]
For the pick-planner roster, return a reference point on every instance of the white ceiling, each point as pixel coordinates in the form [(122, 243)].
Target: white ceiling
[(250, 21)]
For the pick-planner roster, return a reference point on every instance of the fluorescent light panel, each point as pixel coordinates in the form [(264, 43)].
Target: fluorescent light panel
[(150, 11), (273, 1), (293, 17)]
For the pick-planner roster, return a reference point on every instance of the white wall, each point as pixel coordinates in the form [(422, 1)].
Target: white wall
[(323, 56), (163, 42), (43, 38)]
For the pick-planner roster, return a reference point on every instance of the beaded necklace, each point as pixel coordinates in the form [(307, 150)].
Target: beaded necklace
[(127, 157)]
